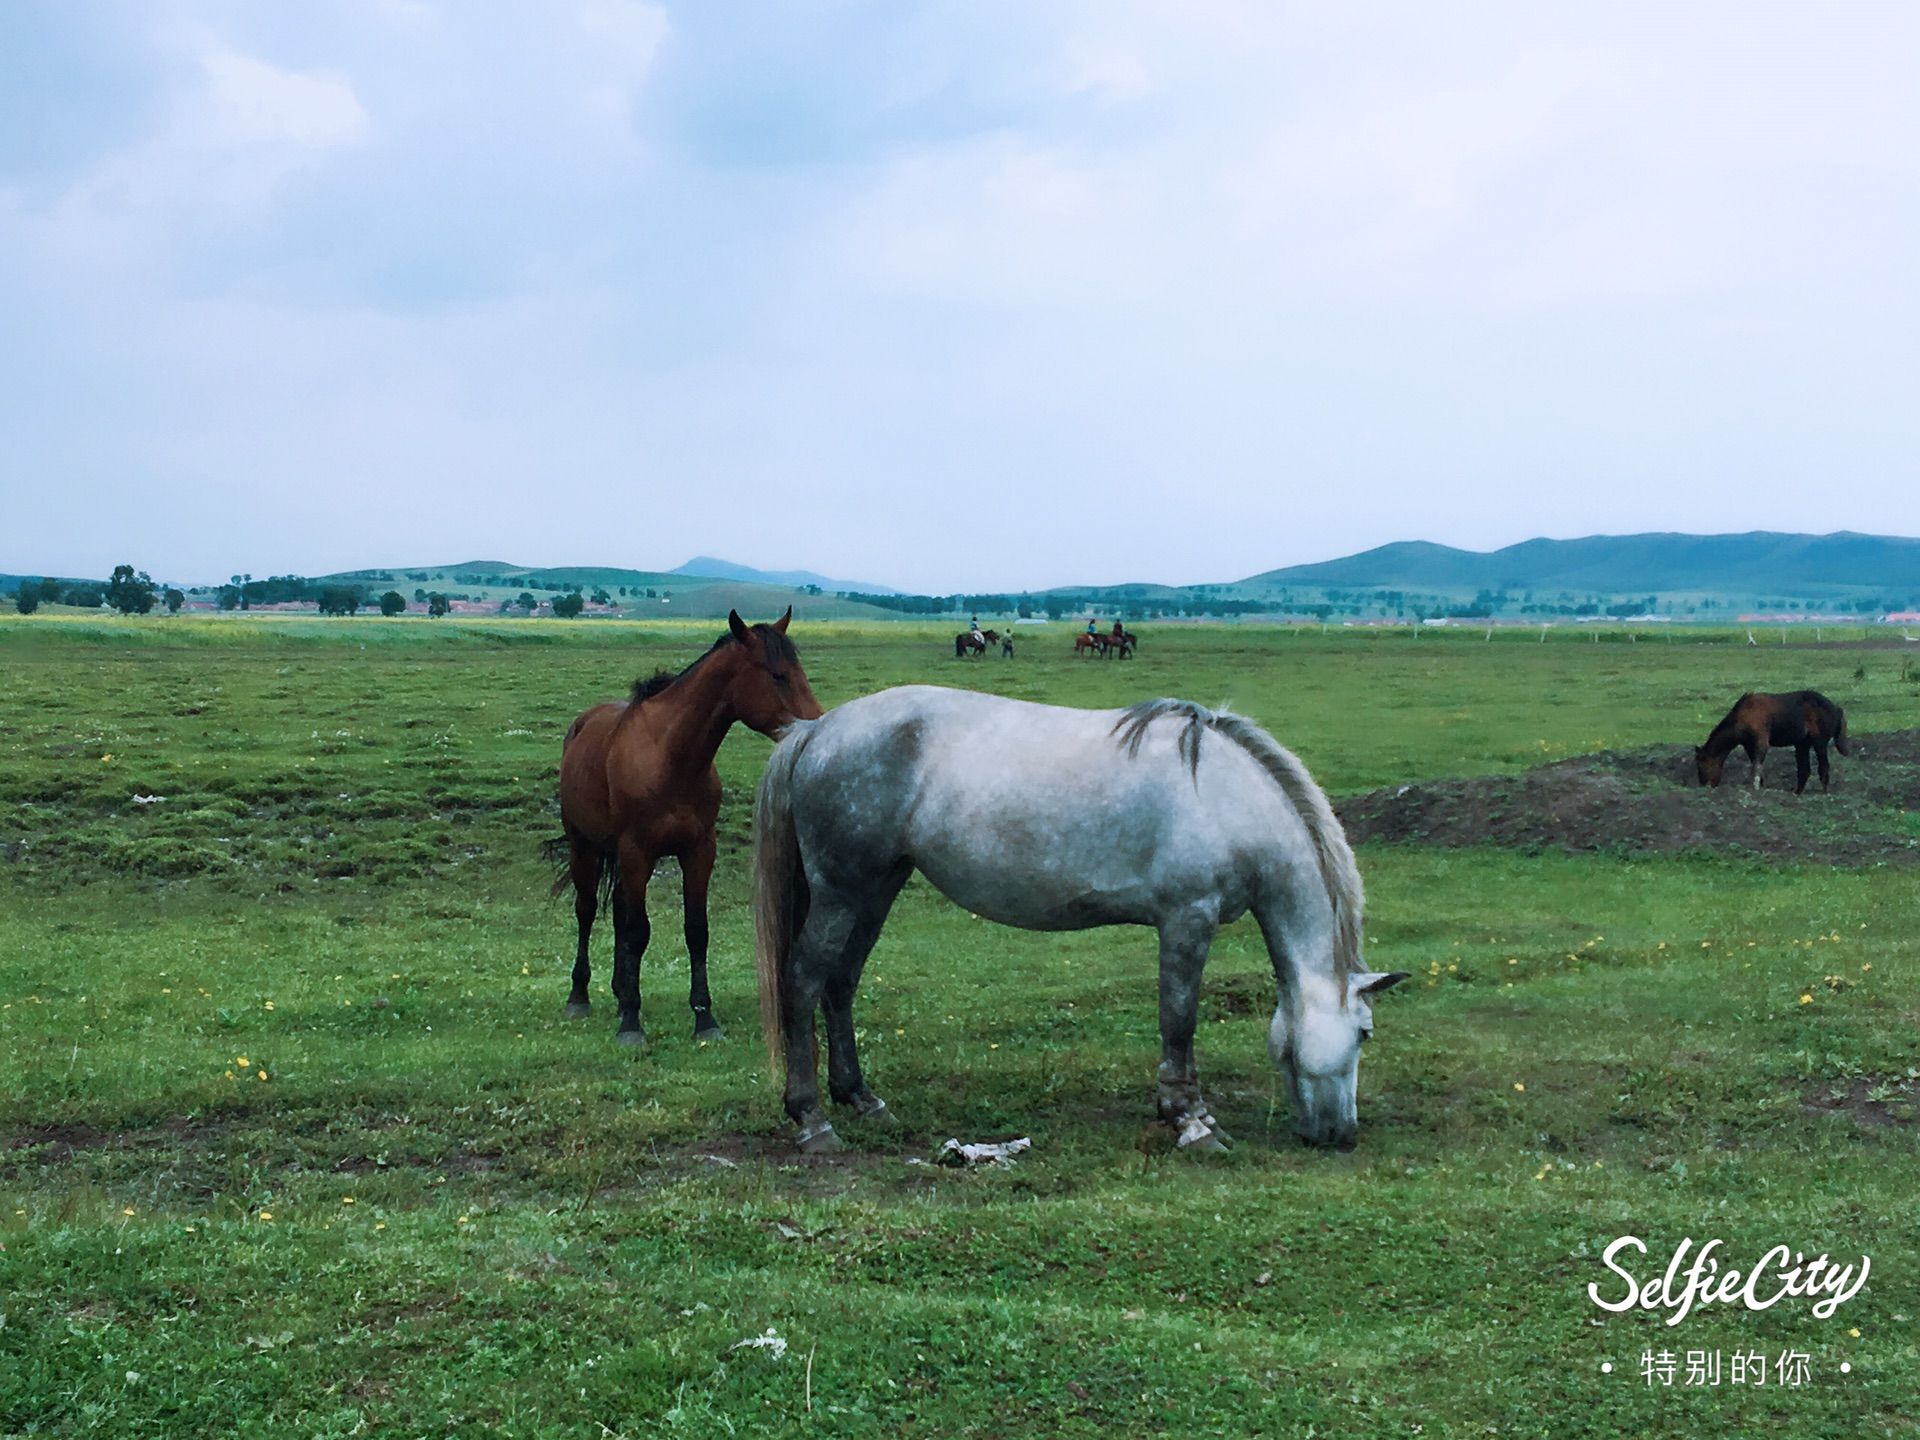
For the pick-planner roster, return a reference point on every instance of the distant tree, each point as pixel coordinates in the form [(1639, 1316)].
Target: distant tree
[(27, 598), (568, 606), (437, 606), (601, 597), (392, 603), (86, 595), (526, 602), (173, 600), (339, 599), (230, 597), (130, 591)]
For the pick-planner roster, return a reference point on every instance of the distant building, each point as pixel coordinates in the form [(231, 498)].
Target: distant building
[(1904, 617)]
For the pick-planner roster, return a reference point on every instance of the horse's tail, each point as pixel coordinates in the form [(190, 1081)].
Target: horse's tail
[(1840, 730), (779, 883), (1339, 872), (557, 851)]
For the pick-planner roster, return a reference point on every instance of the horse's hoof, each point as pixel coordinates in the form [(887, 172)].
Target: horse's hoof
[(1196, 1135), (1208, 1144), (711, 1032), (579, 1009), (820, 1140), (630, 1037), (875, 1112)]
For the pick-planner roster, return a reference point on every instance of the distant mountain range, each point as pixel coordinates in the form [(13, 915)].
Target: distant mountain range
[(1758, 562), (1702, 575), (712, 569)]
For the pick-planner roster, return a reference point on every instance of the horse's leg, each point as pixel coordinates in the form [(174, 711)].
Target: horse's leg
[(584, 865), (631, 931), (1820, 750), (845, 1083), (696, 869), (1802, 764), (1756, 757), (1184, 939), (802, 983)]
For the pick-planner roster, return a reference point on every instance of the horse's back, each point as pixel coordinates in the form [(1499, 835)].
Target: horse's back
[(1033, 814)]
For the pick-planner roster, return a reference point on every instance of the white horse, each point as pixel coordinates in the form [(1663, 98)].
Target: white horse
[(1020, 813)]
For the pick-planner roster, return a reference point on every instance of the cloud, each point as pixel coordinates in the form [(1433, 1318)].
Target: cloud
[(247, 103), (1325, 276)]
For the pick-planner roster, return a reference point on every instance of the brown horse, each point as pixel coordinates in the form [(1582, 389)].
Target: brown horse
[(1121, 643), (967, 643), (1088, 642), (637, 782), (1804, 719)]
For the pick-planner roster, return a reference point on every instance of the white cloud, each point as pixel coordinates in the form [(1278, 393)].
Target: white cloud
[(247, 102), (629, 33)]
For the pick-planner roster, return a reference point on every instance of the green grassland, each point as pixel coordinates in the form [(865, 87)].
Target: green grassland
[(294, 1139)]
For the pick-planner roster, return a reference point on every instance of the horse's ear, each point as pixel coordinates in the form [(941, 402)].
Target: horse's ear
[(737, 626), (782, 623), (1374, 984)]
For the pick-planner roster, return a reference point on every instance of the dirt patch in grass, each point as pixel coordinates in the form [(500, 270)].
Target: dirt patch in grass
[(1647, 801), (1872, 1101), (56, 1144)]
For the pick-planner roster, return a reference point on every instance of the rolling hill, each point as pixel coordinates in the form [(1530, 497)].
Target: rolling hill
[(707, 567), (1756, 563)]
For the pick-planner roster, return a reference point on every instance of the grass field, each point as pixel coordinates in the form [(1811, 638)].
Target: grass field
[(294, 1139)]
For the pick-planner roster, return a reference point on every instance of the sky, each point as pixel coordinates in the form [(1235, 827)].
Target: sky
[(946, 296)]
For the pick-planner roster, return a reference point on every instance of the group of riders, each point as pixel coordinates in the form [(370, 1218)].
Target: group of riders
[(1117, 636)]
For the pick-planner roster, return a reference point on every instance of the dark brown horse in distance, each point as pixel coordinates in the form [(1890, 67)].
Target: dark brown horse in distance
[(637, 782), (1804, 719), (974, 642)]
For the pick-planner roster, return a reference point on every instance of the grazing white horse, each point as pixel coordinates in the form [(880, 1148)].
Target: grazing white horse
[(1026, 814)]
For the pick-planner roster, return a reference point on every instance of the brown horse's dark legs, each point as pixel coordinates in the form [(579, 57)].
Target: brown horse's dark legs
[(1756, 758), (696, 870), (1802, 766), (584, 867), (1820, 750), (631, 931)]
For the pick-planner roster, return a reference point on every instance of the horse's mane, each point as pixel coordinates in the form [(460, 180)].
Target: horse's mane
[(780, 651), (651, 685), (1338, 870)]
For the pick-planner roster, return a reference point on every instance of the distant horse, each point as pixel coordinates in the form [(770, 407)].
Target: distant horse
[(1015, 811), (1804, 719), (1088, 642), (1122, 643), (637, 782), (968, 643)]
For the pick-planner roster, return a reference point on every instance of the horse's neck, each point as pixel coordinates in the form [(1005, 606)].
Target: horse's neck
[(694, 714), (1725, 736)]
